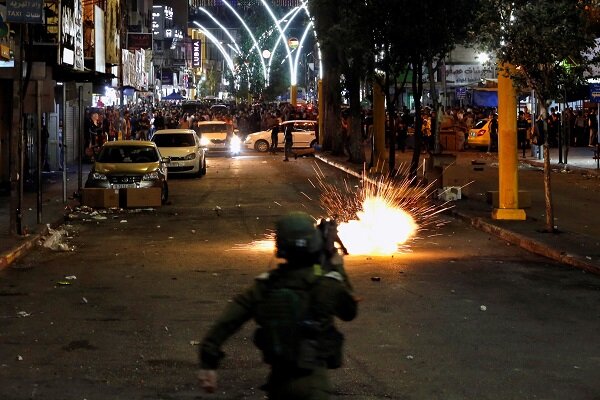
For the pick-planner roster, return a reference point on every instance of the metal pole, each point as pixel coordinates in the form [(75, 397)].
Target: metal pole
[(39, 149), (16, 143), (64, 143), (80, 144)]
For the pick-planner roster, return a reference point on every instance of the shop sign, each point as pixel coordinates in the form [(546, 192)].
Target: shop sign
[(594, 89), (137, 41), (26, 12), (196, 54), (71, 33)]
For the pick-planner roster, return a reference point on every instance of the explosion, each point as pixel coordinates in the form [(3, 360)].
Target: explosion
[(380, 216)]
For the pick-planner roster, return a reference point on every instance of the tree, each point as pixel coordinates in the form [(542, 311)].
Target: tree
[(344, 29), (418, 34), (551, 45)]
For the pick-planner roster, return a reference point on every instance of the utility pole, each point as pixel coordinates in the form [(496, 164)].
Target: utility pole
[(16, 141)]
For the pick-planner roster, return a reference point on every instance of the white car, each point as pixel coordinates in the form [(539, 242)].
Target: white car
[(303, 133), (214, 135), (183, 149)]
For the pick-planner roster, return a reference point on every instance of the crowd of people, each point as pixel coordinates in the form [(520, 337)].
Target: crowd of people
[(139, 122), (567, 127)]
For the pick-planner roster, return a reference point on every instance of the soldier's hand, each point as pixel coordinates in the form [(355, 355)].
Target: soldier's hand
[(208, 380)]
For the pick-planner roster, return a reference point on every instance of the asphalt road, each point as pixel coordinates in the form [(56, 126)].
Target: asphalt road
[(461, 316)]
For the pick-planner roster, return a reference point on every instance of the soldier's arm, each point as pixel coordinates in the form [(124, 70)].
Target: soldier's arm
[(343, 303), (230, 321)]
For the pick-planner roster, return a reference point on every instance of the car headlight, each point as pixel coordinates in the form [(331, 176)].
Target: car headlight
[(98, 176), (151, 176), (190, 156), (204, 141)]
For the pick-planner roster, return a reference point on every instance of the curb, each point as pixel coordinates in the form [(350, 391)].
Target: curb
[(531, 245), (29, 242)]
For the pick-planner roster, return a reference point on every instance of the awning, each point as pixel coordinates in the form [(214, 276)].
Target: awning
[(67, 74)]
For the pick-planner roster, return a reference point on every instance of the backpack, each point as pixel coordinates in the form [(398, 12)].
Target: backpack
[(288, 335)]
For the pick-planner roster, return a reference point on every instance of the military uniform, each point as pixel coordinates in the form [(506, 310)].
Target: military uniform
[(330, 296)]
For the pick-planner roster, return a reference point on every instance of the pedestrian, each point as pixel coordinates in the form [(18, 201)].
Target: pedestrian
[(294, 307), (493, 143), (288, 140), (143, 127), (593, 128), (274, 137), (522, 126), (345, 134)]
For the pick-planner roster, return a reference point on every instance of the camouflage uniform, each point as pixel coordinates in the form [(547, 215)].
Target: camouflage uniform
[(330, 296)]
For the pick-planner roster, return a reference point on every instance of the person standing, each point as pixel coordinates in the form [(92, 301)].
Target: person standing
[(493, 144), (288, 140), (593, 128), (294, 307), (522, 126), (143, 127), (275, 137)]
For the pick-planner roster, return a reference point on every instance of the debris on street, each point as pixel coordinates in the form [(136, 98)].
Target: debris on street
[(54, 240)]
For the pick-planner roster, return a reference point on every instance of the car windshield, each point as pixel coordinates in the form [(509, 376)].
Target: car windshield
[(174, 140), (480, 124), (128, 154), (212, 128)]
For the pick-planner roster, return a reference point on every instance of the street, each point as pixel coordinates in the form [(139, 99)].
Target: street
[(463, 315)]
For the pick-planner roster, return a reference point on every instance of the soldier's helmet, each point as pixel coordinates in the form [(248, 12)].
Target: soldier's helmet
[(297, 236)]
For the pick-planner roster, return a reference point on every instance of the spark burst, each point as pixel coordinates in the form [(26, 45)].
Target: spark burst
[(375, 216), (380, 216)]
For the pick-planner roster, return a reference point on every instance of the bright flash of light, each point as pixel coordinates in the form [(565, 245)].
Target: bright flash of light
[(380, 220), (266, 244), (380, 216)]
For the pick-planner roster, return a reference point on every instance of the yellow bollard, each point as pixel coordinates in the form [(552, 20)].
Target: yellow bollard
[(508, 179)]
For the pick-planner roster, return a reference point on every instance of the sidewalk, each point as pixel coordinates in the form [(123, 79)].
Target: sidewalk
[(575, 198), (53, 212), (575, 189)]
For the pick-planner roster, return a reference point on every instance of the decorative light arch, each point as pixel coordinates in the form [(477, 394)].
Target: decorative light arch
[(225, 30), (216, 42), (256, 46)]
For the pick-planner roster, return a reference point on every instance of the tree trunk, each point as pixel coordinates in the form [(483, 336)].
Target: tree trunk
[(436, 106), (417, 87), (357, 154), (547, 174), (332, 98)]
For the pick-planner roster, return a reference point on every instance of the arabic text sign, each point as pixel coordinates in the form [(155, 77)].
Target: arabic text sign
[(594, 92), (27, 12)]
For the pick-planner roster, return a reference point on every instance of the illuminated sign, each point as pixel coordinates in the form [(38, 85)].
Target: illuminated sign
[(196, 53), (71, 33), (139, 41)]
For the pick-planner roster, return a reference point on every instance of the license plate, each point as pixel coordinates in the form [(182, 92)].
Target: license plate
[(175, 164), (124, 185)]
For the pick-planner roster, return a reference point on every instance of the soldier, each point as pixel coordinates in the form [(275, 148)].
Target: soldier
[(294, 307)]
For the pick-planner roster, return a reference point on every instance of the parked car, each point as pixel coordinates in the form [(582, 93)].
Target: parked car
[(215, 135), (182, 148), (303, 133), (479, 135), (128, 164)]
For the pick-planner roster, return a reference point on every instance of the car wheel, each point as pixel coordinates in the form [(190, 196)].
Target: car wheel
[(164, 195), (203, 168), (313, 143), (261, 146)]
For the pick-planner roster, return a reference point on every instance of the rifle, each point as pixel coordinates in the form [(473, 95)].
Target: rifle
[(332, 260)]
